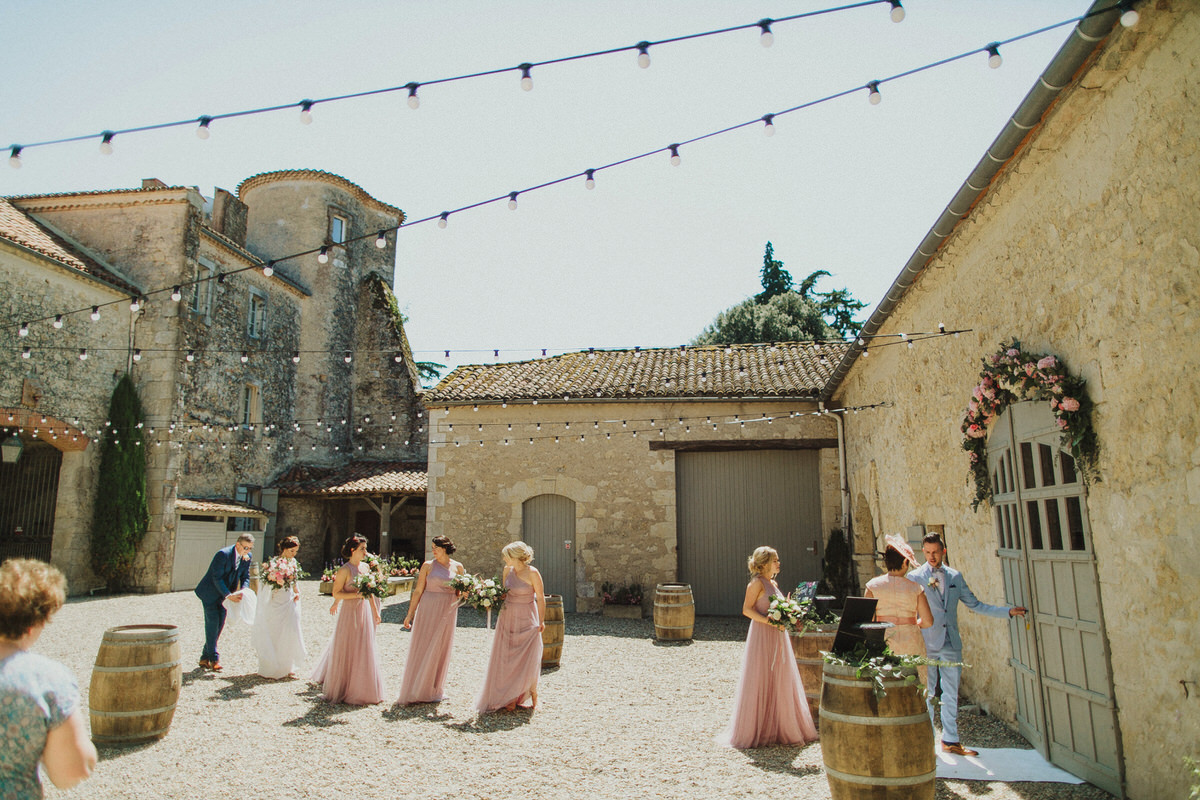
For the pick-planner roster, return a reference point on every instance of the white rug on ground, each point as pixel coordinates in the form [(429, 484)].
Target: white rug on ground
[(1000, 764)]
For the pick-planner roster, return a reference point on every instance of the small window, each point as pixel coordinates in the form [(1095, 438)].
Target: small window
[(251, 405), (251, 495), (203, 289), (337, 229), (256, 325)]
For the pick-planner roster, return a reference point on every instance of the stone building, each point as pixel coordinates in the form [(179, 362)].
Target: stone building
[(639, 466), (250, 361), (1077, 236)]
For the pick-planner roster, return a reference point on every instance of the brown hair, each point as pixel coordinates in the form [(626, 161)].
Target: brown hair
[(444, 543), (934, 538), (893, 559), (287, 542), (351, 544), (30, 592)]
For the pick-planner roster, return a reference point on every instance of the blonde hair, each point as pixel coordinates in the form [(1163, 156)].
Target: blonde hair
[(30, 592), (758, 561), (518, 551)]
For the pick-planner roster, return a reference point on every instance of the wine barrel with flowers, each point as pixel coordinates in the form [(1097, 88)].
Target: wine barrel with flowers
[(876, 748), (135, 684), (552, 634), (674, 612), (807, 647)]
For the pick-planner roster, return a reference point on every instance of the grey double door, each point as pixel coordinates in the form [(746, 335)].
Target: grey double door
[(1065, 702)]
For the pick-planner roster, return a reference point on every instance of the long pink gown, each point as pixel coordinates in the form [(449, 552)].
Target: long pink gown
[(897, 598), (349, 667), (516, 660), (432, 640), (769, 706)]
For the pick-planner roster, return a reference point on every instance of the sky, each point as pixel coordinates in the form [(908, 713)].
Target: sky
[(649, 256)]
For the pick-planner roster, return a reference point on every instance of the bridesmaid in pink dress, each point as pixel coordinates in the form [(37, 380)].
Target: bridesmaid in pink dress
[(433, 634), (516, 660), (902, 602), (770, 706), (349, 667)]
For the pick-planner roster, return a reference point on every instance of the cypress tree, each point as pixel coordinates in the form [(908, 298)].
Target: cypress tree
[(121, 515)]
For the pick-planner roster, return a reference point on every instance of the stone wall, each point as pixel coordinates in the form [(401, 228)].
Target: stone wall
[(1087, 248), (624, 491)]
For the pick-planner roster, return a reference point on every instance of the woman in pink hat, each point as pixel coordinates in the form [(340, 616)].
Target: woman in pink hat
[(901, 601)]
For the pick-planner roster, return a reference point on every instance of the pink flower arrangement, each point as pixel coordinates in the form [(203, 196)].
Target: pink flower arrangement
[(280, 573)]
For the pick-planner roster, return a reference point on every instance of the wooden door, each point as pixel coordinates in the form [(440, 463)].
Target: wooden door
[(548, 526), (1066, 704)]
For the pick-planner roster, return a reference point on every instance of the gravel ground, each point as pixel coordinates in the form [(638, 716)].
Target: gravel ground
[(622, 717)]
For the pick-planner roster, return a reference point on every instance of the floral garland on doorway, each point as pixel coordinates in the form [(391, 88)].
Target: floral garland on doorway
[(1011, 375)]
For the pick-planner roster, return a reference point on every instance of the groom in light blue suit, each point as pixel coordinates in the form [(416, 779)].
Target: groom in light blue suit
[(945, 588)]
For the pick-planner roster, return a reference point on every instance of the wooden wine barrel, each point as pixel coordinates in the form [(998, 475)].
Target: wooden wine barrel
[(135, 684), (876, 748), (674, 612), (552, 634), (808, 648)]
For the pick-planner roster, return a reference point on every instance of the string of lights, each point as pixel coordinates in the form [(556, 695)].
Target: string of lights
[(176, 433), (874, 95), (204, 122)]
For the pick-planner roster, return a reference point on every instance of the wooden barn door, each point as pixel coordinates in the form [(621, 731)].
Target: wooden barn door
[(548, 526), (1066, 705)]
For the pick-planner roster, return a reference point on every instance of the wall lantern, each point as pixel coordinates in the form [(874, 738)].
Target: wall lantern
[(11, 449)]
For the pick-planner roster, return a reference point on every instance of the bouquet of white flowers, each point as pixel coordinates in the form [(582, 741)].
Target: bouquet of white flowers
[(489, 594), (786, 613), (374, 582)]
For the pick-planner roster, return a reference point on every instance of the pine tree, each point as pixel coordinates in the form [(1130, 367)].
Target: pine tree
[(775, 279), (121, 515)]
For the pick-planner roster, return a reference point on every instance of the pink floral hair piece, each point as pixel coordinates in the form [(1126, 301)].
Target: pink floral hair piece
[(898, 544)]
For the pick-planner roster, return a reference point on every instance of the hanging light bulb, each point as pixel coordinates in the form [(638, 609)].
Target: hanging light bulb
[(643, 58), (268, 269), (14, 157), (176, 293), (137, 355), (191, 356), (768, 124), (941, 327), (83, 354), (323, 256), (512, 201), (348, 357), (245, 357), (381, 240), (589, 181), (897, 11), (444, 219), (874, 96), (95, 313), (674, 155), (28, 351), (58, 321), (106, 146), (994, 59), (1129, 16), (526, 78), (23, 330), (767, 38), (306, 116), (398, 357), (202, 131), (135, 305), (414, 102)]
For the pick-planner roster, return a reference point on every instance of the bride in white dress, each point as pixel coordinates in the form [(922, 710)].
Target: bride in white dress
[(276, 634)]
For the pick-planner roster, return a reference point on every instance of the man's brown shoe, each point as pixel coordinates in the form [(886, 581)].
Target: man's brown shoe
[(215, 666), (205, 663), (958, 749)]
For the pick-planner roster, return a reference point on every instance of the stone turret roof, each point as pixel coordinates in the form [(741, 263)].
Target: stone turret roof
[(19, 228), (357, 191), (781, 369), (355, 479)]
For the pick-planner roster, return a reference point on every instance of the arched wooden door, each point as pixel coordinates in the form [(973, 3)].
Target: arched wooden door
[(1065, 702), (548, 526)]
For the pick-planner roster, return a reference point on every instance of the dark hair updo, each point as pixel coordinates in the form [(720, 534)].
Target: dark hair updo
[(352, 543), (444, 543), (893, 560)]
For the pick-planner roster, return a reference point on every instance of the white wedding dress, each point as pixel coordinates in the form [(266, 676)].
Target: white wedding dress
[(276, 634)]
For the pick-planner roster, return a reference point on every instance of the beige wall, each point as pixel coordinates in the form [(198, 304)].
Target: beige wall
[(1087, 248), (624, 491)]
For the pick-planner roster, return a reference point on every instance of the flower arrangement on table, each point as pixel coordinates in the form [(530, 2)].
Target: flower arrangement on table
[(871, 663), (373, 582), (1010, 376), (401, 567), (812, 616), (330, 571), (613, 595), (281, 573)]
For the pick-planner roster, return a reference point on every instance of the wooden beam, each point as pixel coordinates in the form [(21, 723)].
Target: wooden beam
[(715, 445)]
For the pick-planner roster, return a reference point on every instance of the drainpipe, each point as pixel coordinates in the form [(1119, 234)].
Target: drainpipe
[(843, 477)]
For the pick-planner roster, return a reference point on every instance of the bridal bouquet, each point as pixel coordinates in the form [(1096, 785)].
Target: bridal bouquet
[(489, 594), (786, 613), (374, 582), (280, 573)]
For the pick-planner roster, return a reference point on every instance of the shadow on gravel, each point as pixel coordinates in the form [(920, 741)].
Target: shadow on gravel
[(779, 760), (322, 714), (494, 722), (427, 711), (111, 752), (197, 674), (239, 686)]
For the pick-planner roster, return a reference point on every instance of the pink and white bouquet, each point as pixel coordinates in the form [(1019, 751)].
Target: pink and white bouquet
[(786, 613), (374, 582), (489, 594), (465, 584), (280, 573)]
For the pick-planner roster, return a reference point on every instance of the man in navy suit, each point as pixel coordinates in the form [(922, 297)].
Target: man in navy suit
[(228, 572), (945, 588)]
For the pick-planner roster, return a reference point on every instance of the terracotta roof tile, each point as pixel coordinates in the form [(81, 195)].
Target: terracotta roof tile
[(355, 478), (780, 369), (18, 227), (220, 505)]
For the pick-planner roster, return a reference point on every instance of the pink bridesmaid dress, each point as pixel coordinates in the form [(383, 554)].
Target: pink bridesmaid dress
[(769, 706), (516, 660), (349, 668), (432, 640)]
